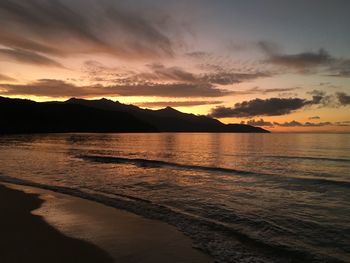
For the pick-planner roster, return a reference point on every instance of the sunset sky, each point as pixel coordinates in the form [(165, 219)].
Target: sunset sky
[(283, 65)]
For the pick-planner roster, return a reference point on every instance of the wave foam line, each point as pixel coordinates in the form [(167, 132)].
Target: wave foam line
[(147, 163)]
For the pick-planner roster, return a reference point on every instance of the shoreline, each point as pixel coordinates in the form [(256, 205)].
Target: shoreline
[(28, 238), (105, 234)]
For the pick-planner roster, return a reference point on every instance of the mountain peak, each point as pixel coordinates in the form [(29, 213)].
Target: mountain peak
[(168, 108)]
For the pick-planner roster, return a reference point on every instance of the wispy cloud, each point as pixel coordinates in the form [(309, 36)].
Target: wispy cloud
[(6, 78), (59, 88), (86, 27), (177, 103), (159, 73), (257, 90), (27, 57)]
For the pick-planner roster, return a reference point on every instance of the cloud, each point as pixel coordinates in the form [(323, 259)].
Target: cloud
[(308, 62), (277, 106), (294, 123), (342, 123), (177, 103), (85, 26), (257, 90), (302, 61), (306, 124), (198, 55), (321, 98), (160, 72), (314, 118), (227, 78), (163, 73), (261, 107), (50, 88), (259, 123), (268, 47), (340, 68), (171, 90), (6, 78), (59, 88), (343, 98), (27, 57)]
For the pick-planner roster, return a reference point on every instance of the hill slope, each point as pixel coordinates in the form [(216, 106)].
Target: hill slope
[(79, 115), (25, 116), (168, 119)]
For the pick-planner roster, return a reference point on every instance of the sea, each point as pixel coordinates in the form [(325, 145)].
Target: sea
[(275, 197)]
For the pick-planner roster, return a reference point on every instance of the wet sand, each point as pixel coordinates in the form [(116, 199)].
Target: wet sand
[(43, 226)]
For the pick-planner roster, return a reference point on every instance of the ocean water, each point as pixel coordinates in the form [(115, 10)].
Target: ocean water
[(241, 197)]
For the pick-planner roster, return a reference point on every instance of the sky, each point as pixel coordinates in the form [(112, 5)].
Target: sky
[(278, 64)]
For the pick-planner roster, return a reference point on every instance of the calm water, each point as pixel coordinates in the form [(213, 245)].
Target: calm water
[(241, 197)]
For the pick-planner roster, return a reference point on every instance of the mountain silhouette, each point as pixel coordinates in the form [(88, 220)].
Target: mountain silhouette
[(168, 119), (25, 116), (80, 115)]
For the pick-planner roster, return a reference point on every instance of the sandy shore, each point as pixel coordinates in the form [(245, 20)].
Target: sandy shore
[(44, 226)]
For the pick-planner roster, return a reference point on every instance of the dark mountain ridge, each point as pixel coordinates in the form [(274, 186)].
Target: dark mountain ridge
[(80, 115)]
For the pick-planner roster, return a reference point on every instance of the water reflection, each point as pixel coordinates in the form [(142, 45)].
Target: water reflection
[(276, 183)]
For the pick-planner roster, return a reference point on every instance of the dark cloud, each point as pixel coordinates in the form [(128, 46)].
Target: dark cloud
[(303, 61), (321, 98), (27, 57), (81, 27), (227, 78), (308, 62), (177, 103), (343, 98), (58, 88), (6, 78), (261, 107), (274, 106)]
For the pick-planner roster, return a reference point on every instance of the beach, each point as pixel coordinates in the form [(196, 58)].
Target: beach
[(44, 226)]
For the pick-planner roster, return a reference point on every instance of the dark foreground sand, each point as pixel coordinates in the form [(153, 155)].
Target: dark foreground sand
[(28, 238), (43, 226)]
